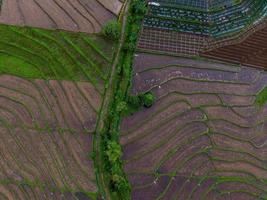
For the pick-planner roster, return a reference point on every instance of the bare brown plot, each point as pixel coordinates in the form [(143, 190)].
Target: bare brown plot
[(212, 148), (112, 5), (45, 130), (49, 104), (12, 191), (56, 159), (72, 15)]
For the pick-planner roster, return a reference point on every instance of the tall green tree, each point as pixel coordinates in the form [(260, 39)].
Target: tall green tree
[(112, 30)]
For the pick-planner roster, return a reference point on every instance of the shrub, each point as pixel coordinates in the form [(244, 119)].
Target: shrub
[(114, 151), (122, 106), (148, 99), (134, 103), (130, 47), (112, 30), (139, 7)]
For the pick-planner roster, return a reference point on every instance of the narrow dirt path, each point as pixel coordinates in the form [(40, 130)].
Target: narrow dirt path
[(104, 109)]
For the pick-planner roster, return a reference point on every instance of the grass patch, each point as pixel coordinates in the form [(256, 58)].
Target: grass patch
[(10, 64), (54, 54), (261, 98)]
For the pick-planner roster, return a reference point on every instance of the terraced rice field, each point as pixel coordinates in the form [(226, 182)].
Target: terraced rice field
[(38, 53), (25, 192), (51, 89), (204, 138), (49, 105), (56, 160), (74, 15)]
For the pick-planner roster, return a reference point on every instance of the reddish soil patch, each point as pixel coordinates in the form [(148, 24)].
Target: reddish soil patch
[(219, 134)]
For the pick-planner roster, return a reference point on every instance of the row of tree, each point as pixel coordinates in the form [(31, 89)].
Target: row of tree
[(111, 147)]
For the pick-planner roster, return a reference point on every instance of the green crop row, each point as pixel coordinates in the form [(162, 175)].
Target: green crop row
[(38, 53), (261, 98)]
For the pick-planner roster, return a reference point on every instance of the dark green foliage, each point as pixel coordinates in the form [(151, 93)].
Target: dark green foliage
[(112, 30), (138, 8), (122, 106), (148, 99), (118, 181), (261, 98), (134, 103), (92, 155), (119, 185), (130, 47), (113, 151)]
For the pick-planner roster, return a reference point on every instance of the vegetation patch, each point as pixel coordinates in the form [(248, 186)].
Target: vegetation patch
[(46, 54), (110, 146), (135, 103), (10, 64), (112, 30), (261, 98)]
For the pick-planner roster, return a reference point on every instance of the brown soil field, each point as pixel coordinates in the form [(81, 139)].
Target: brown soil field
[(46, 137), (21, 192), (49, 104), (73, 15), (204, 138), (12, 191), (56, 159)]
